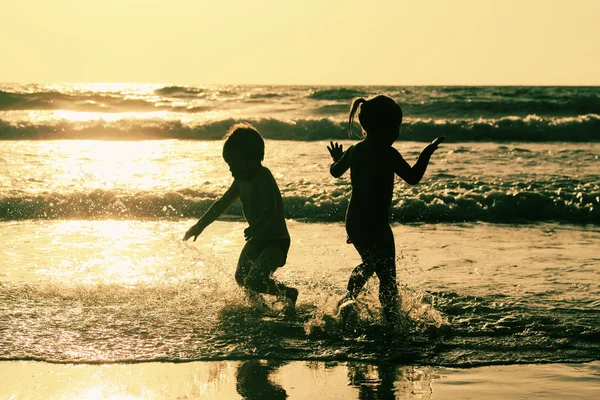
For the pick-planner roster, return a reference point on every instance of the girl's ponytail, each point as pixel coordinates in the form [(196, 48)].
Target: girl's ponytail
[(355, 103)]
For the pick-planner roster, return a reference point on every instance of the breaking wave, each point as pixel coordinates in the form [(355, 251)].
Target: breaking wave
[(533, 128), (494, 205)]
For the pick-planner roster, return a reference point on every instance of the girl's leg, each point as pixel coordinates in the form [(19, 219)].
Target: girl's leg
[(379, 256), (361, 237), (388, 289), (385, 269), (360, 276)]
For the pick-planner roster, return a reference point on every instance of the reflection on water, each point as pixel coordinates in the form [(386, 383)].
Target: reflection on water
[(387, 381), (262, 379), (373, 382), (253, 380)]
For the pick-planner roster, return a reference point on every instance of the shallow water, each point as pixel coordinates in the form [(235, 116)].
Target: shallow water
[(108, 291)]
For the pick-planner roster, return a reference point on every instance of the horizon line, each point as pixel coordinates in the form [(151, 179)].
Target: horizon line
[(302, 84)]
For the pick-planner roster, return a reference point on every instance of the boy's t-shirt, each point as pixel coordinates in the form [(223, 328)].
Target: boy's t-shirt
[(258, 195)]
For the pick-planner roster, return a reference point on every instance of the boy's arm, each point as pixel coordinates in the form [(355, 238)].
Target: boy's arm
[(413, 175), (341, 159), (215, 210), (267, 190)]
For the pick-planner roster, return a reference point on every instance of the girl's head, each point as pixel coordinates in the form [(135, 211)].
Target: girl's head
[(380, 117)]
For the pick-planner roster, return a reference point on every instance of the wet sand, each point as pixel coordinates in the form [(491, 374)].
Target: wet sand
[(255, 379)]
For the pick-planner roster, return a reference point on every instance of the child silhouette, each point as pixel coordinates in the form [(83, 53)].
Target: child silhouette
[(268, 240), (372, 163)]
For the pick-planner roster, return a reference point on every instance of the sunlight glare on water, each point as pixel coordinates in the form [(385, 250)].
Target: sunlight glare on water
[(106, 87), (116, 255), (81, 116), (122, 252), (112, 164)]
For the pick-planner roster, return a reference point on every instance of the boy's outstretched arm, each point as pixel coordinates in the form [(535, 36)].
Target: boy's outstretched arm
[(413, 175), (215, 210), (341, 159)]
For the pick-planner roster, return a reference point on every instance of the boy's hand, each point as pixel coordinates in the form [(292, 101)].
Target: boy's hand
[(248, 233), (434, 145), (194, 231), (335, 150)]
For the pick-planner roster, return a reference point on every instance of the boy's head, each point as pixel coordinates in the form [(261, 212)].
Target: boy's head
[(244, 150)]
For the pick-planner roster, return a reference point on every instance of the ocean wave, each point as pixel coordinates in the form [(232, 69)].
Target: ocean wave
[(470, 102), (469, 108), (270, 95), (343, 94), (101, 102), (333, 109), (176, 91), (303, 130), (490, 206), (532, 128), (88, 102), (494, 107), (433, 102)]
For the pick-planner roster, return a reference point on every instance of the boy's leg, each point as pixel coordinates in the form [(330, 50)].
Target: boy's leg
[(246, 261), (259, 277)]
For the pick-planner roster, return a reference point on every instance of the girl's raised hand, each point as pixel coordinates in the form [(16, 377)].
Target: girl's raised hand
[(335, 150), (437, 142)]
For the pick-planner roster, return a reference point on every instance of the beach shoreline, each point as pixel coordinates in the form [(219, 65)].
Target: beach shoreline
[(296, 379)]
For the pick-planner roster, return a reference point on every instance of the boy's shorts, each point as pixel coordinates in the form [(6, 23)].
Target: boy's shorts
[(283, 244)]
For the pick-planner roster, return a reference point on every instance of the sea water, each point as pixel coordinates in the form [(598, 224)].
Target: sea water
[(496, 248)]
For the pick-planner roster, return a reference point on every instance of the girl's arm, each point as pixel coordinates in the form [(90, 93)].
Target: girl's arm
[(341, 159), (413, 175), (215, 210)]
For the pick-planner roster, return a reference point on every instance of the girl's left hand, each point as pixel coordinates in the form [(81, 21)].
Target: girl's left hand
[(437, 142)]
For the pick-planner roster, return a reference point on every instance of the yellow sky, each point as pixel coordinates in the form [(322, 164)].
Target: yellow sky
[(531, 42)]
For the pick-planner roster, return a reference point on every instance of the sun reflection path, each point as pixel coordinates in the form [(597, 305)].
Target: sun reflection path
[(125, 253), (139, 166), (116, 252), (105, 165), (82, 116), (106, 87)]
